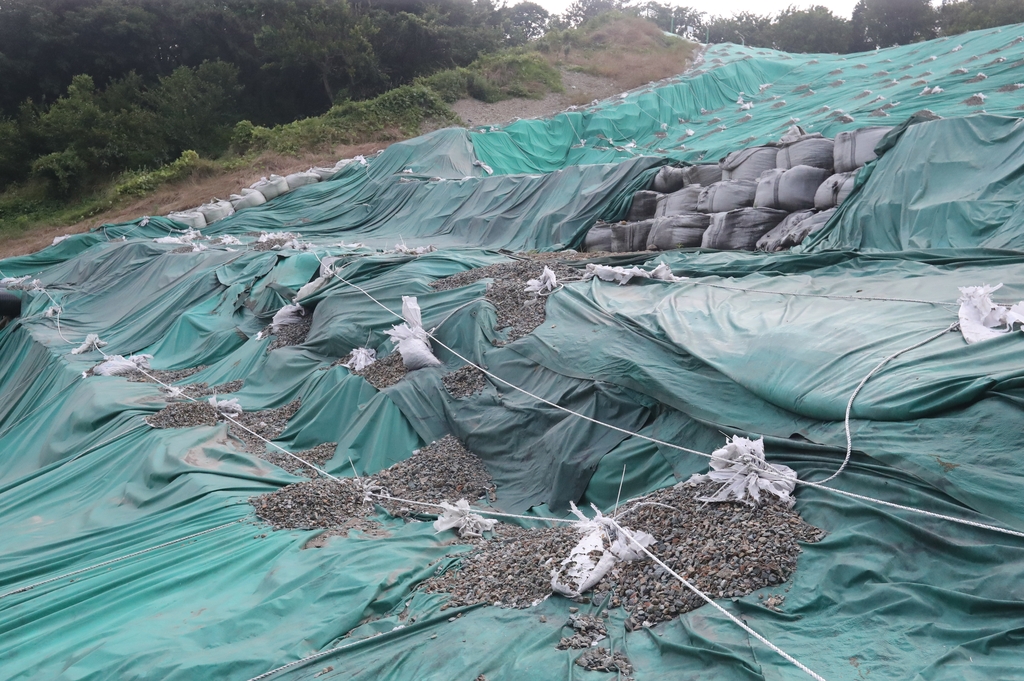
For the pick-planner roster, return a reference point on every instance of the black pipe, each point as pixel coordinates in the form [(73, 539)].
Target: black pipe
[(10, 304)]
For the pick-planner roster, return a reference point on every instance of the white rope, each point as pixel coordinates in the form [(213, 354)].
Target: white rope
[(308, 658), (117, 560), (830, 296), (707, 599), (849, 405), (573, 127)]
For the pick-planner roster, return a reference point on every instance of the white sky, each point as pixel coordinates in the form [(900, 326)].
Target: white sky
[(729, 7)]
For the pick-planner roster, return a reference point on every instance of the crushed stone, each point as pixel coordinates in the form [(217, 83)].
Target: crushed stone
[(603, 660), (587, 632), (184, 415), (163, 375), (336, 504), (518, 311), (291, 334), (385, 372), (198, 390), (317, 456), (464, 382), (268, 423), (442, 471)]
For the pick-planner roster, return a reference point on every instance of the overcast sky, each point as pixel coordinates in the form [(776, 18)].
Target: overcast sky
[(729, 7)]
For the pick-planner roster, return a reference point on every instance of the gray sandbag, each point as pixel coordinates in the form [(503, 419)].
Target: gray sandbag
[(645, 204), (816, 152), (702, 174), (669, 179), (739, 230), (794, 229), (748, 164), (854, 148), (680, 202), (726, 195), (834, 190), (628, 237), (789, 190), (598, 238), (677, 231)]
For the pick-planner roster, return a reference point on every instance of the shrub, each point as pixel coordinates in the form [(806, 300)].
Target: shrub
[(140, 183), (64, 170)]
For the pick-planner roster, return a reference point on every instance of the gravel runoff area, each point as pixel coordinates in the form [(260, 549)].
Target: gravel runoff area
[(725, 550), (291, 334), (464, 382), (269, 424), (518, 311), (385, 372)]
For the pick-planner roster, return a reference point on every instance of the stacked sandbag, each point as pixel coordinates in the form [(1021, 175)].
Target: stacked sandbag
[(679, 202), (296, 180), (248, 198), (702, 174), (669, 179), (598, 238), (815, 151), (628, 237), (192, 218), (727, 195), (215, 210), (677, 231), (644, 206), (789, 190), (271, 187), (793, 230), (740, 229), (856, 147), (748, 164), (834, 190)]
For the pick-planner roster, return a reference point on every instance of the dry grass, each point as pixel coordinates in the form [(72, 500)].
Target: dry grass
[(630, 52), (184, 194)]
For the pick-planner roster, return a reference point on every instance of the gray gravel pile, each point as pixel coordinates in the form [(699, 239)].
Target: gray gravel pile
[(197, 390), (321, 503), (442, 471), (512, 569), (587, 631), (292, 334), (268, 423), (184, 415), (603, 660), (725, 550), (518, 311), (278, 240), (385, 372), (464, 382), (317, 456), (164, 375)]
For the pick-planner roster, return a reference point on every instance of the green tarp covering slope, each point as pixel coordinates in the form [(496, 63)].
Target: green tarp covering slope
[(756, 344)]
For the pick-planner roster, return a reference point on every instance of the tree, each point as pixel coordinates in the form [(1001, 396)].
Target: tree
[(884, 23), (679, 20), (582, 10), (971, 15), (810, 30), (744, 27), (324, 34), (524, 22)]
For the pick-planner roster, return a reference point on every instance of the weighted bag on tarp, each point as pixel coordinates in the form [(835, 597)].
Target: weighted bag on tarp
[(789, 190), (271, 187), (748, 164), (739, 230), (702, 174), (677, 231), (793, 230), (296, 180), (834, 190), (727, 195), (598, 238), (645, 204), (247, 199), (630, 236), (816, 152), (669, 179), (190, 218), (854, 148), (680, 202), (215, 210)]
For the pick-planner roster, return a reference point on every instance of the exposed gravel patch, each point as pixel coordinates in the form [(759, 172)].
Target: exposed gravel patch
[(269, 423), (184, 415), (385, 372), (725, 550), (198, 390), (442, 471), (317, 456), (518, 311), (273, 242), (314, 504), (603, 660), (292, 334), (464, 382), (164, 375), (587, 631)]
